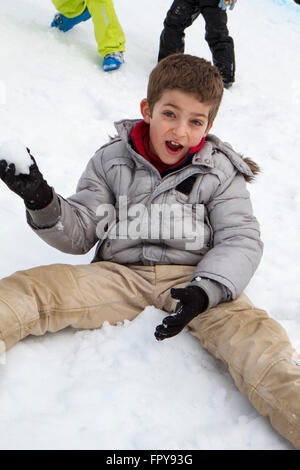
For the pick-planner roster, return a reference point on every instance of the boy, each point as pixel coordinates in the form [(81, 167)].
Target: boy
[(182, 14), (195, 260), (108, 31)]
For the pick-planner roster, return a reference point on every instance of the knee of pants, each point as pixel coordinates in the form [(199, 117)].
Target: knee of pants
[(254, 346), (25, 294), (215, 24), (282, 379), (181, 15), (243, 336), (217, 33)]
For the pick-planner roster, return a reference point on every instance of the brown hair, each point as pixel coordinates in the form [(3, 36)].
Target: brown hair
[(190, 74)]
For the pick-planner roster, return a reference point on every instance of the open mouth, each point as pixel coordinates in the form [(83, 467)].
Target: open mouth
[(173, 147)]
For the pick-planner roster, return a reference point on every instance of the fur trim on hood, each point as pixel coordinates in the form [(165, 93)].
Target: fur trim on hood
[(253, 167)]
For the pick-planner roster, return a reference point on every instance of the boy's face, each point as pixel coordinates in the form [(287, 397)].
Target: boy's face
[(178, 121)]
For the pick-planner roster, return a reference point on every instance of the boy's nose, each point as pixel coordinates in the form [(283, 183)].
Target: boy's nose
[(180, 130)]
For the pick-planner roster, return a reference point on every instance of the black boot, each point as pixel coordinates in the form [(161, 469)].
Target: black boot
[(227, 71)]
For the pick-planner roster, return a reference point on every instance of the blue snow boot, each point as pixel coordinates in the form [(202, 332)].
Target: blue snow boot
[(113, 61), (63, 23)]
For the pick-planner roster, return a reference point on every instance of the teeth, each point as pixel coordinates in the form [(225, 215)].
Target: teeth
[(175, 143)]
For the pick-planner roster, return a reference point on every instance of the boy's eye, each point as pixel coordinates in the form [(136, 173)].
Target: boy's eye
[(196, 123), (169, 113)]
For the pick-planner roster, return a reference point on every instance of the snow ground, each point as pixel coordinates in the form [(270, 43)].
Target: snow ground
[(117, 388)]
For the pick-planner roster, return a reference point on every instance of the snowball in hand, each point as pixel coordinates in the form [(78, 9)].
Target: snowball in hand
[(14, 152)]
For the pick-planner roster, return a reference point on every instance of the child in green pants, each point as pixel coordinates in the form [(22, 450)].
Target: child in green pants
[(108, 31)]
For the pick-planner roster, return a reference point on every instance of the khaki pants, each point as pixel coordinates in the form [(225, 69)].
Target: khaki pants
[(255, 348)]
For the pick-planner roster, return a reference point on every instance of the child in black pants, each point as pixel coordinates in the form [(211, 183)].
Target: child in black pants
[(182, 14)]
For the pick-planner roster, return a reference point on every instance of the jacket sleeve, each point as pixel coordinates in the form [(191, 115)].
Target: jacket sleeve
[(70, 224), (237, 248)]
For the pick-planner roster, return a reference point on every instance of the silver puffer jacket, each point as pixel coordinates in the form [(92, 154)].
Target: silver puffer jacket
[(220, 238)]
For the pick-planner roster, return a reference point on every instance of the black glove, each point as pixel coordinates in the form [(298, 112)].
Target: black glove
[(32, 188), (193, 300)]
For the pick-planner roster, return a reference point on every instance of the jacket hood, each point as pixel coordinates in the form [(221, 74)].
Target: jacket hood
[(213, 144)]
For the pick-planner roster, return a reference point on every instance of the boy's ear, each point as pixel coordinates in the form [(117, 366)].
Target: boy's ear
[(208, 129), (145, 110)]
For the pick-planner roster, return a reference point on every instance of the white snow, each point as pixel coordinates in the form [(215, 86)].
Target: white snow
[(117, 387), (15, 152)]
